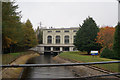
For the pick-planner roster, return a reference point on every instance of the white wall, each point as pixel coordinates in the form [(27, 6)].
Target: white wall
[(61, 34)]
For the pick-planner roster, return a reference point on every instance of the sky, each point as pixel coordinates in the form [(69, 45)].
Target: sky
[(68, 13)]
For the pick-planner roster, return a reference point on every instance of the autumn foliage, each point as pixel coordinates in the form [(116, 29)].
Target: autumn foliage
[(106, 36), (17, 36)]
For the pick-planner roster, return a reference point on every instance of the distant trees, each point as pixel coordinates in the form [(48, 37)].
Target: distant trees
[(110, 39), (86, 35), (116, 45), (105, 37), (107, 53), (39, 34), (29, 37), (13, 30)]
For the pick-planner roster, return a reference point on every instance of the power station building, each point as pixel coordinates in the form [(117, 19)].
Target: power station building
[(56, 40)]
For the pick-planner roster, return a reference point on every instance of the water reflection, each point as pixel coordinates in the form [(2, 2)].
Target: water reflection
[(45, 72)]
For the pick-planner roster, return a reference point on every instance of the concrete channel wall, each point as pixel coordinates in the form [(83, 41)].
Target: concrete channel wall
[(16, 72), (83, 71)]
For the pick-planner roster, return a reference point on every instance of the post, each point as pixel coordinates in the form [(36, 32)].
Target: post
[(61, 49), (41, 50), (51, 48)]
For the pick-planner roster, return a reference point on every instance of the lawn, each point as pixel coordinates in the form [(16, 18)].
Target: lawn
[(8, 58), (79, 56)]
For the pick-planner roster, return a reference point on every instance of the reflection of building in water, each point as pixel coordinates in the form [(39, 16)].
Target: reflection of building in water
[(56, 40)]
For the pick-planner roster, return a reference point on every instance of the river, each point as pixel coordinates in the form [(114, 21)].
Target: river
[(45, 72)]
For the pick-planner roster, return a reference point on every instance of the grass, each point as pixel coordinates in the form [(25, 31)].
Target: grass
[(15, 54), (78, 56), (8, 58)]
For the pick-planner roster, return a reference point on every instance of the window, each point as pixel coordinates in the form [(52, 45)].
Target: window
[(65, 48), (47, 48), (57, 31), (66, 31), (74, 30), (56, 48), (49, 31), (49, 39), (66, 39), (57, 39)]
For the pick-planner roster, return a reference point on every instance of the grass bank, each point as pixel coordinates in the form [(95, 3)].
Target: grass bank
[(8, 58), (19, 58), (81, 57)]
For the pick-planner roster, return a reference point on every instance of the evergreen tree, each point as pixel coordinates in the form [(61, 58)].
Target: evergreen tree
[(30, 39), (15, 35), (11, 26), (116, 45), (39, 34), (85, 37)]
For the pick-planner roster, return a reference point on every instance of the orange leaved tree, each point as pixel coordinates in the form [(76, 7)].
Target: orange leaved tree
[(105, 36)]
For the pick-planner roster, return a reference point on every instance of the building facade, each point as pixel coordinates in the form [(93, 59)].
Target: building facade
[(56, 40)]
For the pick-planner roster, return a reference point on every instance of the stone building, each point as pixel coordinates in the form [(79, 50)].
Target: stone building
[(56, 40)]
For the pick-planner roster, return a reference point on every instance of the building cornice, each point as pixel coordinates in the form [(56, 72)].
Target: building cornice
[(61, 28), (56, 45)]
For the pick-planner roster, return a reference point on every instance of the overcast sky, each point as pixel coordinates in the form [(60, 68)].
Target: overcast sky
[(68, 13)]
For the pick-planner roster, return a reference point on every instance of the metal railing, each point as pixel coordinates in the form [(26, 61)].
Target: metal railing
[(66, 64), (53, 65)]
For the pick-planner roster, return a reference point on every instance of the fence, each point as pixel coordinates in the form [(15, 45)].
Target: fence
[(65, 64)]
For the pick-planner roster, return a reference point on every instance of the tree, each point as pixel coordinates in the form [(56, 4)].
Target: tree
[(85, 37), (105, 37), (30, 39), (15, 34), (11, 26), (107, 53), (116, 45), (39, 34)]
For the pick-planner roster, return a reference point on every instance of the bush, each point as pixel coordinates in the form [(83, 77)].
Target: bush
[(107, 53)]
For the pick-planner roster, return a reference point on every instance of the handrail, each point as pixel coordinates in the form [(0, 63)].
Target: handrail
[(53, 65)]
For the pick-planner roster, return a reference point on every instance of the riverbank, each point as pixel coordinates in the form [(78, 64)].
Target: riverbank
[(80, 71), (82, 57), (15, 72), (11, 57)]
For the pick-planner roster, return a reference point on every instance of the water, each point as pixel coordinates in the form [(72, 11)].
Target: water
[(46, 72)]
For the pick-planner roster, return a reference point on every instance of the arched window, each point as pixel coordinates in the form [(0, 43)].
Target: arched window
[(49, 39), (66, 39), (57, 39)]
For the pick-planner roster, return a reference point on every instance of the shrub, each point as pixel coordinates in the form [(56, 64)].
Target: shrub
[(107, 53)]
